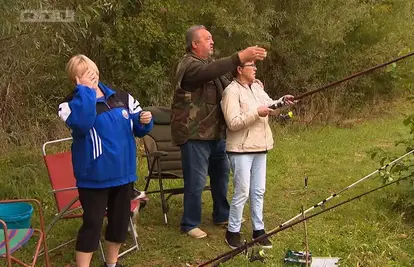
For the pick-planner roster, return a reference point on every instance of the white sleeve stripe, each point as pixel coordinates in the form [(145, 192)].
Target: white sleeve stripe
[(133, 105), (96, 143), (64, 111), (93, 143), (100, 145)]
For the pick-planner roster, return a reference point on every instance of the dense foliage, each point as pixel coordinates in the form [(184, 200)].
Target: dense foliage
[(136, 45)]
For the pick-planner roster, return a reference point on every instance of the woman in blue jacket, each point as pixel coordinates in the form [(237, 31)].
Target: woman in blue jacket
[(103, 124)]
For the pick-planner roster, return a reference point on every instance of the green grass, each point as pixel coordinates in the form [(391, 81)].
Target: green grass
[(373, 231)]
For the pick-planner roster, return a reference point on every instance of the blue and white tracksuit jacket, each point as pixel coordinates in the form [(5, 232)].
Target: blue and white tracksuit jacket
[(103, 148)]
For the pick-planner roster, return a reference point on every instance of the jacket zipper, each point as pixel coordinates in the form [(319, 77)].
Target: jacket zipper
[(109, 108), (107, 105)]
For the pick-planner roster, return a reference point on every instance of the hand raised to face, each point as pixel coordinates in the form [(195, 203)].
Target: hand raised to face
[(89, 79)]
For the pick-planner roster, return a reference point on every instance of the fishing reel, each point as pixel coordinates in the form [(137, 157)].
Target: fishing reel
[(284, 118), (255, 253)]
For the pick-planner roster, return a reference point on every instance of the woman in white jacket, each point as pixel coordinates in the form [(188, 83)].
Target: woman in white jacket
[(245, 106)]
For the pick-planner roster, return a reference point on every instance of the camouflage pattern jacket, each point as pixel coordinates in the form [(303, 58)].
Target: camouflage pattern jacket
[(195, 111)]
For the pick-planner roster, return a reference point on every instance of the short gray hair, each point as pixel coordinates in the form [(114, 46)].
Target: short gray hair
[(190, 36)]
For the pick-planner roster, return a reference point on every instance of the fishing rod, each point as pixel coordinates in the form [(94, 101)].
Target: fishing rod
[(232, 253), (346, 188), (281, 103), (352, 76)]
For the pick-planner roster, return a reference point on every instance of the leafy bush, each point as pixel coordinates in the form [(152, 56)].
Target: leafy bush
[(136, 45)]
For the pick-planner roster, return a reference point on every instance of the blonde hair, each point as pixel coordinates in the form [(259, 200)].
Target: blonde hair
[(79, 60)]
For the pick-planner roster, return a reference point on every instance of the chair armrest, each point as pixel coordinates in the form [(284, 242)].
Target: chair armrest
[(157, 154), (64, 189), (3, 224)]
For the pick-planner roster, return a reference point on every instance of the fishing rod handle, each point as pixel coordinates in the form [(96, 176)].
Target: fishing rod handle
[(278, 104)]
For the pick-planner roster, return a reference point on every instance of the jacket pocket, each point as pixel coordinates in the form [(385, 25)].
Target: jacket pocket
[(254, 140), (244, 138), (81, 157), (108, 166)]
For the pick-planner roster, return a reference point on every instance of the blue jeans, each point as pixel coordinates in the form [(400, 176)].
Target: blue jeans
[(249, 174), (199, 159)]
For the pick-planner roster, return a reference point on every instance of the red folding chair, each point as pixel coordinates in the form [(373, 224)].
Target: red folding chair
[(13, 239), (62, 180)]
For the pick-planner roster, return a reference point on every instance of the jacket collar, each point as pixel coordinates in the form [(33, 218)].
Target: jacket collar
[(106, 90), (205, 60), (243, 85)]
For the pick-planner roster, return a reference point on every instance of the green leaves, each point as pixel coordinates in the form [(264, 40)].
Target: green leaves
[(137, 44), (404, 167)]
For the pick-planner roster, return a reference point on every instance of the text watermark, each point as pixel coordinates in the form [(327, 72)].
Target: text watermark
[(42, 15)]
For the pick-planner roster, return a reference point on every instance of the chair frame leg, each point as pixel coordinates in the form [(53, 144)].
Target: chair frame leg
[(162, 194), (151, 170), (147, 183), (11, 259), (102, 251), (156, 160), (6, 239), (163, 202), (134, 234), (61, 214), (55, 219), (135, 237)]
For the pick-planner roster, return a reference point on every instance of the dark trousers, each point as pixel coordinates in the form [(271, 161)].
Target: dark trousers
[(116, 203), (199, 159)]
